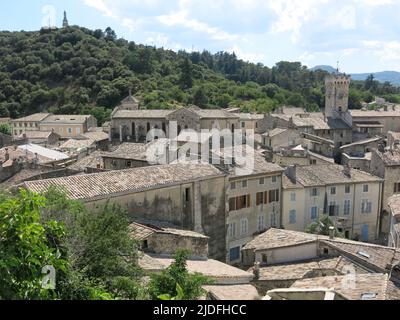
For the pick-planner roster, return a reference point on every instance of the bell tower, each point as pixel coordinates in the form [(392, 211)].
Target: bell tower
[(337, 96), (65, 21)]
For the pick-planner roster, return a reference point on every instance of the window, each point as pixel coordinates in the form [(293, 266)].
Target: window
[(234, 254), (293, 196), (243, 125), (347, 189), (313, 162), (232, 230), (314, 213), (244, 184), (259, 198), (70, 130), (78, 130), (239, 203), (187, 194), (273, 196), (261, 222), (365, 188), (264, 259), (148, 126), (274, 179), (347, 205), (397, 188), (366, 206), (244, 227), (333, 190), (292, 217), (129, 164), (262, 181), (333, 209), (233, 185), (314, 192)]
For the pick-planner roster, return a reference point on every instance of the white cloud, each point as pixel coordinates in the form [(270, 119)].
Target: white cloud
[(101, 6), (374, 3), (246, 56), (292, 14), (181, 17), (346, 18)]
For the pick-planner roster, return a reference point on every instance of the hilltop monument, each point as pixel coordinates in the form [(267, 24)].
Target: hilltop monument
[(65, 21)]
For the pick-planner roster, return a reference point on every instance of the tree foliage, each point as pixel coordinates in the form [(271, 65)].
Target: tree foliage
[(322, 227), (175, 283), (79, 70)]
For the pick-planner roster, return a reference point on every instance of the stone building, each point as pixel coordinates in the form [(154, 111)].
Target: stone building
[(385, 163), (46, 138), (372, 123), (351, 198), (357, 155), (162, 239), (254, 199), (134, 125), (29, 123), (280, 258), (190, 196), (394, 234), (277, 138), (68, 126), (5, 140)]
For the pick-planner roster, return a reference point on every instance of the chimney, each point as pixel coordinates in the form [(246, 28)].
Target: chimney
[(291, 172), (7, 155), (256, 271), (331, 232), (347, 170)]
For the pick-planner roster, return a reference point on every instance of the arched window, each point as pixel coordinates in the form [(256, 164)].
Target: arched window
[(148, 126)]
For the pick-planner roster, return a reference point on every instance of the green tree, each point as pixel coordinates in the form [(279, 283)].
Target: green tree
[(186, 78), (176, 281), (322, 227), (200, 97), (102, 254), (5, 128), (27, 246)]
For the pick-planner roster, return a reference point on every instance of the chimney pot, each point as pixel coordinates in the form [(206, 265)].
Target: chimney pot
[(331, 232)]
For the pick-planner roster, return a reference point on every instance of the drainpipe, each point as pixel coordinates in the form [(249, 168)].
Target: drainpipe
[(380, 204), (354, 206)]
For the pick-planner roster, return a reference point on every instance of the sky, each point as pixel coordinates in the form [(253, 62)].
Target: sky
[(363, 35)]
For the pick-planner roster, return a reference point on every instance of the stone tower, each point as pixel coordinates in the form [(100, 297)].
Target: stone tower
[(337, 96), (65, 21)]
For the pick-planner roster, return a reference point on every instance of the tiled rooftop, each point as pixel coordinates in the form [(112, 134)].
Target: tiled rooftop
[(277, 238), (321, 175), (220, 272), (100, 185), (77, 144), (394, 205), (297, 271), (243, 292), (90, 161), (68, 119), (390, 157), (142, 231), (37, 134), (374, 114), (96, 135), (366, 286), (130, 151), (37, 117), (146, 114)]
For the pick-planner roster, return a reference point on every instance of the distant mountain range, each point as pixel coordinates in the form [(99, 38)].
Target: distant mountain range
[(392, 76)]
